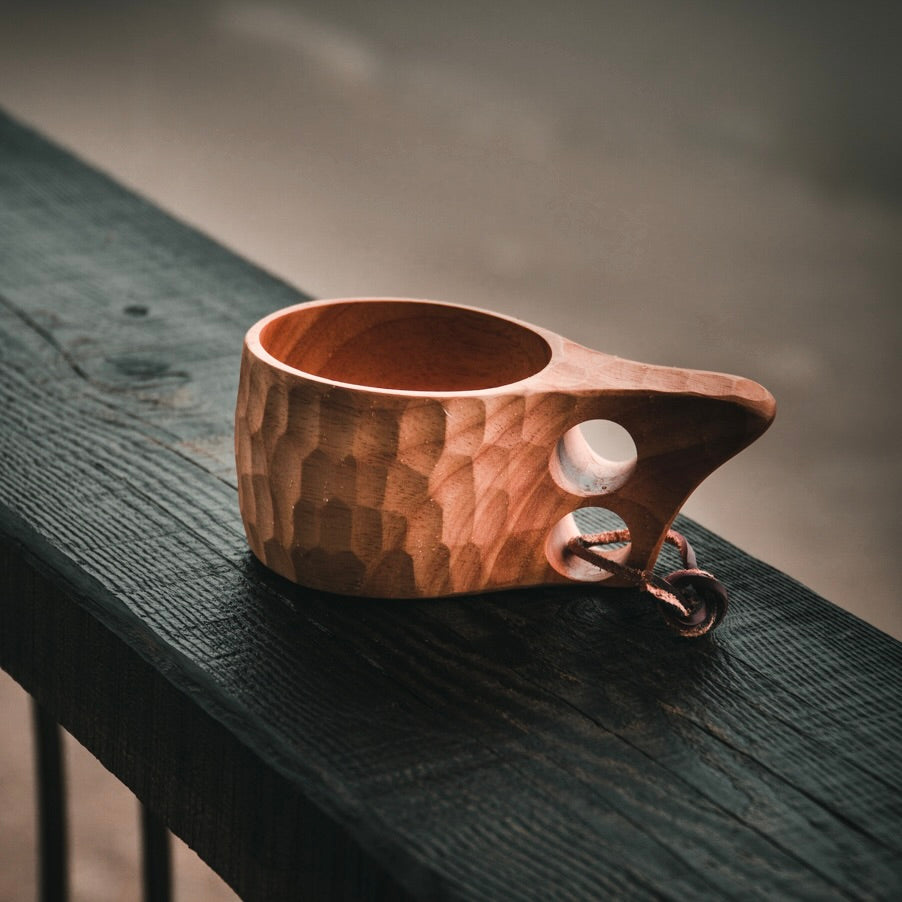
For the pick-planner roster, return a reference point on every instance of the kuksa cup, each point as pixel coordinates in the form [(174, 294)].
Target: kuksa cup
[(406, 448)]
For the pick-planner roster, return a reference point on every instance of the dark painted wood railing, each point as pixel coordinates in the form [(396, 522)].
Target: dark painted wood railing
[(528, 745)]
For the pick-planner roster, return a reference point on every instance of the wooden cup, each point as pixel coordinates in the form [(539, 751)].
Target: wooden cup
[(403, 448)]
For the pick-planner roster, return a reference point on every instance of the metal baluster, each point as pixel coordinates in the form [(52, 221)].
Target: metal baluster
[(51, 799), (157, 870)]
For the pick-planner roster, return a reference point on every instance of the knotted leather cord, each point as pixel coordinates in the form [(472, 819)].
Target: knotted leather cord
[(645, 580)]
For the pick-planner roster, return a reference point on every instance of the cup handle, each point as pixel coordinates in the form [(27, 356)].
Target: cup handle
[(685, 424)]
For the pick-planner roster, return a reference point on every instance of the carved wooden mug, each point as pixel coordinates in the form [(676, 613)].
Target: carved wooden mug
[(403, 448)]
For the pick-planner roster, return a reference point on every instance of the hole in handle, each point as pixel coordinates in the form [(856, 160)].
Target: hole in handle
[(596, 457), (586, 519)]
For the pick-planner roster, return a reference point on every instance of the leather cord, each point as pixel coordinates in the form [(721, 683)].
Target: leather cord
[(692, 600)]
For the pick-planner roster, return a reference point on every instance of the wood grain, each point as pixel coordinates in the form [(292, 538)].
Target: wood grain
[(550, 743), (402, 448)]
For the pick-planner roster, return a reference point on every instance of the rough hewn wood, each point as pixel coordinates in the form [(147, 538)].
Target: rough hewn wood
[(551, 743), (401, 448)]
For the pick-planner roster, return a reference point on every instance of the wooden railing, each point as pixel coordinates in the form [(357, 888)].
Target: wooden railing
[(551, 743)]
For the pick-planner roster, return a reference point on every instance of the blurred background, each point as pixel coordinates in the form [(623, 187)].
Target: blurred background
[(707, 184)]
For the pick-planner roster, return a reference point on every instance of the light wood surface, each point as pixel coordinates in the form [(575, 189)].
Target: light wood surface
[(402, 448)]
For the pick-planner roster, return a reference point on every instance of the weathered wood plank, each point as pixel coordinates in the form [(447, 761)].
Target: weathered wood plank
[(543, 744)]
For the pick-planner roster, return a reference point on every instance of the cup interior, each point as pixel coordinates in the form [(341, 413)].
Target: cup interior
[(405, 345)]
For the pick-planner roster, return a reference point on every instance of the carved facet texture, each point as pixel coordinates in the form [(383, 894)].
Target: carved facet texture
[(428, 492)]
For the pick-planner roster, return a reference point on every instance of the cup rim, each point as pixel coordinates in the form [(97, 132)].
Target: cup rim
[(254, 345)]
